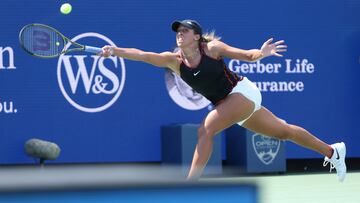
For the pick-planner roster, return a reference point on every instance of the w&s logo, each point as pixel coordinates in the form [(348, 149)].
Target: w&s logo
[(91, 83)]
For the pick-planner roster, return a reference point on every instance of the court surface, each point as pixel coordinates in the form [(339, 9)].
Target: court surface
[(304, 188), (123, 181)]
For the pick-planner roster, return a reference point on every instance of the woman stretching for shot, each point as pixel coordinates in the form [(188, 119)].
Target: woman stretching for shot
[(199, 62)]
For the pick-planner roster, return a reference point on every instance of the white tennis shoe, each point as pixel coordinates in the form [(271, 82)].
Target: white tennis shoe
[(337, 160)]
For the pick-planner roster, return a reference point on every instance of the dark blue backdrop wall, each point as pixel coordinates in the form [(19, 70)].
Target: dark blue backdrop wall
[(111, 110)]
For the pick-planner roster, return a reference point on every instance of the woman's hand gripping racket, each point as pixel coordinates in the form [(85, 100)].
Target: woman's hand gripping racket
[(46, 42)]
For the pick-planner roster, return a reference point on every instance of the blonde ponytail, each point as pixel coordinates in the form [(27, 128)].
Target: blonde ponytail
[(210, 36)]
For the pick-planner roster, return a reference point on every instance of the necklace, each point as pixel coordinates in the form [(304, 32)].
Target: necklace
[(190, 56)]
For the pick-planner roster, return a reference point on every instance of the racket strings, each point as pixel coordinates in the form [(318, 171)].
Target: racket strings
[(42, 41)]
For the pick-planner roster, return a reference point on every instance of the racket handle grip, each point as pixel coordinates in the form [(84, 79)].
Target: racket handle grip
[(91, 49)]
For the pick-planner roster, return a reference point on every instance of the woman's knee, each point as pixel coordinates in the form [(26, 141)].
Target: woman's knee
[(204, 132), (285, 133)]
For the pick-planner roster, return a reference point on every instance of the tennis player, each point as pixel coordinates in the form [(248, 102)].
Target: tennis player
[(199, 62)]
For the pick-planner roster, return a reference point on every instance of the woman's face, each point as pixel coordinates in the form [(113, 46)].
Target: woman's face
[(185, 36)]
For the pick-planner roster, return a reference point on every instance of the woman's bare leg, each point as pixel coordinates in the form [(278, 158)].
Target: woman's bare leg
[(235, 108), (265, 122)]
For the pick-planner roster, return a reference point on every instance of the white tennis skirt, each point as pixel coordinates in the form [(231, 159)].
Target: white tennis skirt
[(251, 92)]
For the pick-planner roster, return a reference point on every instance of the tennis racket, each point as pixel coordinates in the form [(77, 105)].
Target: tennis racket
[(46, 42)]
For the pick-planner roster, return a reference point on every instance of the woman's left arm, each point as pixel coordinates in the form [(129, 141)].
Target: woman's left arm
[(267, 49)]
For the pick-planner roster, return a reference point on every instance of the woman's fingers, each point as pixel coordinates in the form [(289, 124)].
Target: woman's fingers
[(279, 42), (281, 46), (276, 54), (269, 41), (106, 51)]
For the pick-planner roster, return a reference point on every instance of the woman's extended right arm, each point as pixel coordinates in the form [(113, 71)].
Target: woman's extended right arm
[(164, 59)]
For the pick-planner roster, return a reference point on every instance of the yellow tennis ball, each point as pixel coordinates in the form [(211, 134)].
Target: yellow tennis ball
[(66, 8)]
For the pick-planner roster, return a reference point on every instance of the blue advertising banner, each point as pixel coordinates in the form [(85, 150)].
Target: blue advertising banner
[(112, 110)]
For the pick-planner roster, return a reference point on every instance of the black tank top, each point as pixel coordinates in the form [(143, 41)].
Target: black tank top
[(211, 78)]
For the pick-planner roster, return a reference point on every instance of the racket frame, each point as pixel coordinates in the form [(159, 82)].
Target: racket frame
[(66, 40)]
